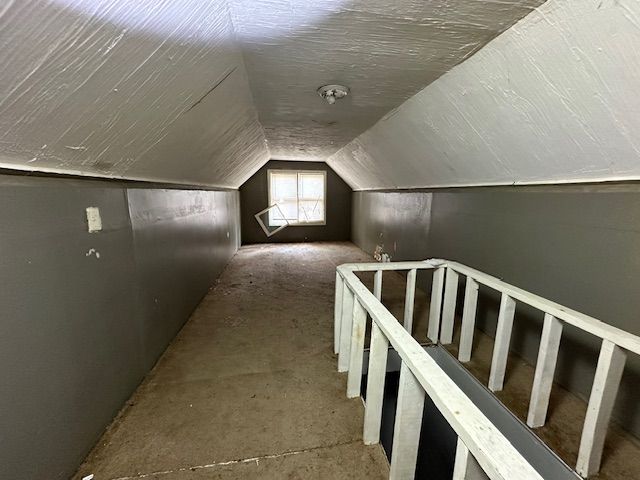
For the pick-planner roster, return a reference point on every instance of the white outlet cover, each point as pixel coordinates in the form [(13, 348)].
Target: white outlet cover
[(94, 221)]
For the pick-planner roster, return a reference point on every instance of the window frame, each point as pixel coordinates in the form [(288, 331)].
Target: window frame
[(297, 173)]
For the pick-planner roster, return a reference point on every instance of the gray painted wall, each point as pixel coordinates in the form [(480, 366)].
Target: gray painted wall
[(254, 197), (78, 333), (576, 245)]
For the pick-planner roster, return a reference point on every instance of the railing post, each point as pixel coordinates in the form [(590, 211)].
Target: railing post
[(603, 395), (377, 285), (468, 320), (376, 377), (409, 300), (466, 467), (406, 431), (449, 306), (354, 379), (545, 370), (337, 313), (435, 305), (501, 345), (345, 329)]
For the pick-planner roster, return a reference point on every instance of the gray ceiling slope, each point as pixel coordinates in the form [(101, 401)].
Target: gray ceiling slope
[(385, 51), (151, 89), (554, 99)]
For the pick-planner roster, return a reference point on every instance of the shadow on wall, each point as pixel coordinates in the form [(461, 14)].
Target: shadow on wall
[(254, 198)]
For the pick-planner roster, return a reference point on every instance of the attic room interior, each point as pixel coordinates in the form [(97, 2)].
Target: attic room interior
[(282, 239)]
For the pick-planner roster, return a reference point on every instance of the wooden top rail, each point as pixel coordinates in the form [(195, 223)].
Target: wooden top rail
[(376, 266), (495, 454), (623, 339), (619, 337)]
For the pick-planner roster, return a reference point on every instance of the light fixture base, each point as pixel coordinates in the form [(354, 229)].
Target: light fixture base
[(331, 93)]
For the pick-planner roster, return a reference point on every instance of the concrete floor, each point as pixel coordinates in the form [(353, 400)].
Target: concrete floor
[(249, 388)]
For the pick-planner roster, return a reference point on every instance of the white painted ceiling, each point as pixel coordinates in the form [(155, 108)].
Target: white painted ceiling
[(159, 90), (385, 51), (552, 100), (144, 89)]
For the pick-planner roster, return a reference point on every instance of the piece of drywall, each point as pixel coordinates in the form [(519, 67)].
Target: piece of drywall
[(576, 245), (551, 100), (254, 198), (83, 316)]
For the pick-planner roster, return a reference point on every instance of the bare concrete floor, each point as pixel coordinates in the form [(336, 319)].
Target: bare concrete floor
[(249, 388)]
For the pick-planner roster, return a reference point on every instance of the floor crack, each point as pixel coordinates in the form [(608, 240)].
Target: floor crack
[(255, 460)]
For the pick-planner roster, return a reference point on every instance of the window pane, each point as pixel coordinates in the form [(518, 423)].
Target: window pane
[(312, 195), (311, 211), (284, 186), (283, 190), (311, 186)]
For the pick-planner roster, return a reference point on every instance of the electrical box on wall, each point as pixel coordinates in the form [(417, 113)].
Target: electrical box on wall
[(94, 222)]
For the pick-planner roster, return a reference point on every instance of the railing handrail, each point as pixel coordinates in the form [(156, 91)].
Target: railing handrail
[(592, 325), (376, 266), (493, 451), (589, 324), (353, 299)]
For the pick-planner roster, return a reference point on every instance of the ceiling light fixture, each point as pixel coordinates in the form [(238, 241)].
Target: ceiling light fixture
[(331, 93)]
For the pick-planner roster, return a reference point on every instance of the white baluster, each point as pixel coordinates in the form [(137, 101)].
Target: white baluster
[(406, 431), (545, 370), (337, 313), (375, 385), (345, 329), (449, 307), (409, 300), (501, 346), (468, 320), (436, 304), (603, 396), (354, 380)]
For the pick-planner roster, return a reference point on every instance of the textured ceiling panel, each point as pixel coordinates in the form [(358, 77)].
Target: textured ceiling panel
[(385, 51), (553, 99), (145, 89)]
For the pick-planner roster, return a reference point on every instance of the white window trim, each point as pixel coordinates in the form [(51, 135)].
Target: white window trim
[(324, 176)]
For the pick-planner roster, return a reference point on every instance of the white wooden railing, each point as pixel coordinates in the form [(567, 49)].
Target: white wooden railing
[(481, 446)]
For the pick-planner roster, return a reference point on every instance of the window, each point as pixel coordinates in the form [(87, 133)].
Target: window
[(300, 196)]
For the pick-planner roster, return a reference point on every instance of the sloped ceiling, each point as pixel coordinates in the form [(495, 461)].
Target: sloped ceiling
[(145, 89), (158, 89), (554, 99), (384, 51)]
